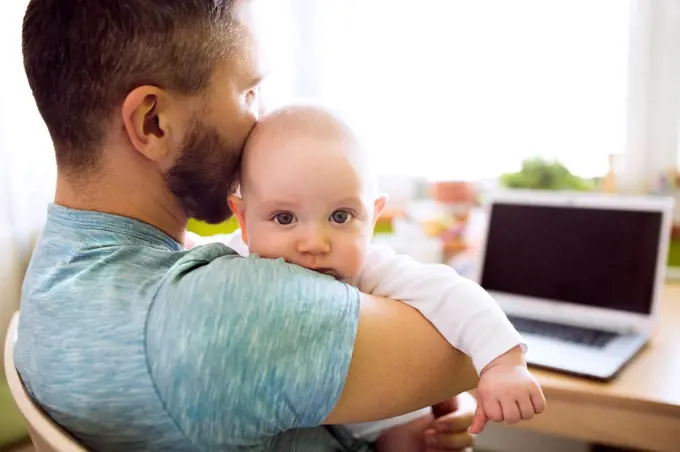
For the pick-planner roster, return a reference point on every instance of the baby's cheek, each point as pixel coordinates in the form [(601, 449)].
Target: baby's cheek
[(351, 269), (267, 245), (352, 261)]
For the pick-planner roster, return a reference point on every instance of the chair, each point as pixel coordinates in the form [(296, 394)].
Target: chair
[(45, 434)]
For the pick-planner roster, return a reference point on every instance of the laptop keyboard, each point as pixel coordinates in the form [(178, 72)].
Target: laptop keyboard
[(567, 333)]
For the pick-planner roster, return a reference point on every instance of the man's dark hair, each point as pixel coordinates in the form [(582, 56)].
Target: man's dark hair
[(82, 57)]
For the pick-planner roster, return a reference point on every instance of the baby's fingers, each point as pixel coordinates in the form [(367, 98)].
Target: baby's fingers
[(538, 400), (479, 421), (492, 409), (526, 408), (511, 412)]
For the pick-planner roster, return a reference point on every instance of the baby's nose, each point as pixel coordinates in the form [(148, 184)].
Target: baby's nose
[(314, 242)]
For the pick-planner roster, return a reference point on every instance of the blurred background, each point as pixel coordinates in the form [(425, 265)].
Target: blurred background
[(474, 88)]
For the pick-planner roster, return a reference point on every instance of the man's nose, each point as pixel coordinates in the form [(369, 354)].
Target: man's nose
[(314, 241)]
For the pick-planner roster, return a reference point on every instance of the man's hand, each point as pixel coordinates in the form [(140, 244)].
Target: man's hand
[(507, 392), (445, 430)]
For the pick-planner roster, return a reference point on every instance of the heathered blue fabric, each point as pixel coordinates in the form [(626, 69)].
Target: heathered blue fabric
[(132, 343)]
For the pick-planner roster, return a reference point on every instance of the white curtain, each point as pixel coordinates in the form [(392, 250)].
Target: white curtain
[(467, 89), (653, 93), (27, 167)]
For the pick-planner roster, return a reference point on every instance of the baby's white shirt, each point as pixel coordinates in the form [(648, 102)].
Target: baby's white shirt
[(462, 311)]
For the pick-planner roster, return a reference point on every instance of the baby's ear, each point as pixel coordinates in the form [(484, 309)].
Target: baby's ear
[(378, 207), (237, 206)]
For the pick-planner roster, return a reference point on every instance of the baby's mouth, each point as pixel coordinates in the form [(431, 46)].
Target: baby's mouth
[(329, 272)]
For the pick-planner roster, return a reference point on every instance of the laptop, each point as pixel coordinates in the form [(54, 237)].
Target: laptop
[(579, 275)]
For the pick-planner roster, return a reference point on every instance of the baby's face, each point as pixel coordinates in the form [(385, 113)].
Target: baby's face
[(307, 203)]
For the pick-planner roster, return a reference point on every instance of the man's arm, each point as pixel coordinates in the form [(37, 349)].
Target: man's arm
[(462, 311), (397, 352), (400, 363), (261, 346)]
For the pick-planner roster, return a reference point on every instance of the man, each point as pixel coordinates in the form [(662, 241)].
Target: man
[(131, 342)]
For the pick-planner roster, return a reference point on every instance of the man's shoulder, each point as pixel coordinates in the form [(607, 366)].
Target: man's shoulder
[(95, 259), (264, 346), (202, 333), (84, 307)]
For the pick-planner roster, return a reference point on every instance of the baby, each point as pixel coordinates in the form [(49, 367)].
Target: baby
[(307, 195)]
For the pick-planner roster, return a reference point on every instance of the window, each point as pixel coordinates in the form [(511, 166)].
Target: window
[(467, 89)]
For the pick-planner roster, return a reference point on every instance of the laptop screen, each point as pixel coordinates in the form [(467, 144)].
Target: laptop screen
[(586, 256)]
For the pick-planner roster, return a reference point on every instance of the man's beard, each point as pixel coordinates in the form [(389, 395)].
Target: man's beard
[(204, 175)]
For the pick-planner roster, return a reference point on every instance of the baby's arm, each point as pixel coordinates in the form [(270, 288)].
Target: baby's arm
[(467, 316), (463, 312)]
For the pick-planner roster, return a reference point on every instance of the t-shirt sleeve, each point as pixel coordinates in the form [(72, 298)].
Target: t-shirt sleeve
[(241, 349)]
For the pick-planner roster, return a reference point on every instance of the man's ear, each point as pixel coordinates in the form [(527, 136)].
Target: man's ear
[(236, 205), (378, 207), (146, 118)]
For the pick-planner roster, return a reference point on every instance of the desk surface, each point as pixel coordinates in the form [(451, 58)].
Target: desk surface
[(643, 402), (651, 380)]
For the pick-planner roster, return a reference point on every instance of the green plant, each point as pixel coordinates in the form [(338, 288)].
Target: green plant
[(542, 174)]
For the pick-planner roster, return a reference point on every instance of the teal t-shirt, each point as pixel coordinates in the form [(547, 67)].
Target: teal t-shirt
[(132, 343)]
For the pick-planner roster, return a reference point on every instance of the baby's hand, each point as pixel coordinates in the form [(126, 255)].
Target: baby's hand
[(507, 392)]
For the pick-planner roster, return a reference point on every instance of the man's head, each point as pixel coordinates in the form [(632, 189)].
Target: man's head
[(167, 87), (307, 193)]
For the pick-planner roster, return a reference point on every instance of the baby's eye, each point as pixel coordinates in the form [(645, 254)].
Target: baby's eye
[(340, 216), (284, 218)]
